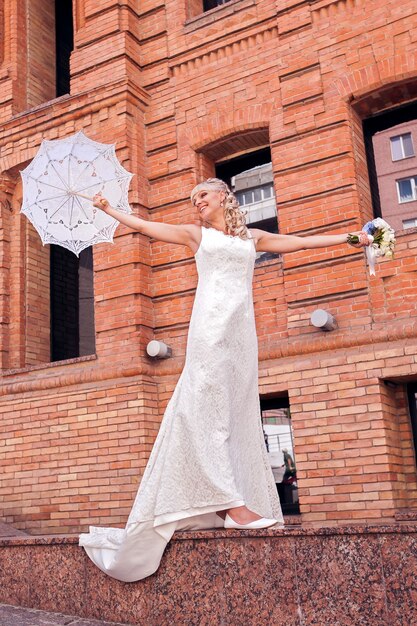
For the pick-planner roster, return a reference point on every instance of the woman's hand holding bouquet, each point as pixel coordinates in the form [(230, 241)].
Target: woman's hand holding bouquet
[(382, 241)]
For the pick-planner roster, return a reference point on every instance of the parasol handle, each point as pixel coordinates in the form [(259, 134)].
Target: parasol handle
[(75, 193)]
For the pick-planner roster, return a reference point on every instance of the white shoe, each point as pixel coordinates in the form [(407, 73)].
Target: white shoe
[(258, 523)]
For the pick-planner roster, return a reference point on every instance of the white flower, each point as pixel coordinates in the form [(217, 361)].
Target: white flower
[(380, 223), (383, 244)]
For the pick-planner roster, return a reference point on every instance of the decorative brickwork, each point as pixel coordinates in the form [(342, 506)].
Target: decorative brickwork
[(178, 90)]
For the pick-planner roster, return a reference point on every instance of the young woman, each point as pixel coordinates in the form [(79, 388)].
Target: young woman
[(209, 465)]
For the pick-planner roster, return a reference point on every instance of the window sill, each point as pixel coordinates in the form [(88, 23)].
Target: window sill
[(403, 158), (267, 256), (41, 106), (40, 366), (208, 17)]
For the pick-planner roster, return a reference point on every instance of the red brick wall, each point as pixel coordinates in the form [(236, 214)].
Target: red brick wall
[(36, 296), (79, 450), (175, 92)]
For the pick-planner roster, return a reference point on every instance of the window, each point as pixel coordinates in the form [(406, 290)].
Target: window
[(72, 303), (406, 188), (252, 196), (212, 4), (276, 424), (64, 45), (250, 176), (388, 141), (410, 223), (254, 190), (412, 404), (258, 201), (402, 147), (50, 42)]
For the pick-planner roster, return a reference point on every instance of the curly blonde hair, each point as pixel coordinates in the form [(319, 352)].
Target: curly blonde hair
[(234, 216)]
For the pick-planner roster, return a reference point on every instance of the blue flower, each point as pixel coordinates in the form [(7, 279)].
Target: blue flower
[(370, 228)]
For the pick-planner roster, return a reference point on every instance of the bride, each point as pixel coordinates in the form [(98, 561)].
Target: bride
[(209, 466)]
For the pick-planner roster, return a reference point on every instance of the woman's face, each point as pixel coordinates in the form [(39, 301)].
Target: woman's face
[(208, 204)]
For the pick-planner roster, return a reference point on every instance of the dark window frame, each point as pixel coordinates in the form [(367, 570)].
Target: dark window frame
[(383, 120), (71, 336), (412, 407), (64, 45), (281, 402), (208, 5), (227, 168)]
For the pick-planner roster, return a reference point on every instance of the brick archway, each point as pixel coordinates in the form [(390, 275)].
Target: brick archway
[(225, 134), (236, 143), (387, 97), (381, 84)]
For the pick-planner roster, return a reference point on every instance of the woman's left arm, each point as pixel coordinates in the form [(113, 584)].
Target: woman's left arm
[(271, 242)]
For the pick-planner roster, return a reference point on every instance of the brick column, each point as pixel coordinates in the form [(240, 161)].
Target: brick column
[(6, 191), (106, 44), (13, 57)]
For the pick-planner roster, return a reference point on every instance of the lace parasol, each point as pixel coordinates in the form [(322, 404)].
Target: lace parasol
[(58, 186)]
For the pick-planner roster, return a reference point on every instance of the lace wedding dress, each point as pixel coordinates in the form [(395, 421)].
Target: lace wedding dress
[(210, 452)]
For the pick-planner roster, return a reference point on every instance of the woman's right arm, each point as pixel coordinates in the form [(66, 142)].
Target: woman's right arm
[(184, 234)]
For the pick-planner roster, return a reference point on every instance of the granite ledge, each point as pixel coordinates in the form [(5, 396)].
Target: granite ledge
[(219, 533), (406, 516)]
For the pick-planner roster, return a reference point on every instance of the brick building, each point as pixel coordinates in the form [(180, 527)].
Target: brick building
[(396, 165), (186, 90)]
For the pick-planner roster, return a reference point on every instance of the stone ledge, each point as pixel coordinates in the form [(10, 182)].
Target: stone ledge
[(219, 533), (406, 516), (47, 365), (18, 616), (357, 574)]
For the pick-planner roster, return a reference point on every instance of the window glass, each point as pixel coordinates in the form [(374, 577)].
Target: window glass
[(410, 223), (257, 194), (396, 148), (408, 145), (402, 147), (405, 189), (249, 197)]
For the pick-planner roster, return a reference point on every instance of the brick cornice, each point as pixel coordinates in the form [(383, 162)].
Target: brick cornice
[(56, 113), (292, 347), (404, 329), (235, 43), (37, 380)]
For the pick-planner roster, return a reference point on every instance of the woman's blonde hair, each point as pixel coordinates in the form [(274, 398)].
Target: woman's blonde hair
[(233, 214)]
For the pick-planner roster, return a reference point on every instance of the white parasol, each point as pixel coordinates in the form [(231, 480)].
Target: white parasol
[(58, 186)]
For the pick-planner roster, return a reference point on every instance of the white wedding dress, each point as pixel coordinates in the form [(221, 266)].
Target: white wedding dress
[(210, 452)]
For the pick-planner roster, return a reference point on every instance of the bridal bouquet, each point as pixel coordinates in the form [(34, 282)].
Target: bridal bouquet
[(382, 238)]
